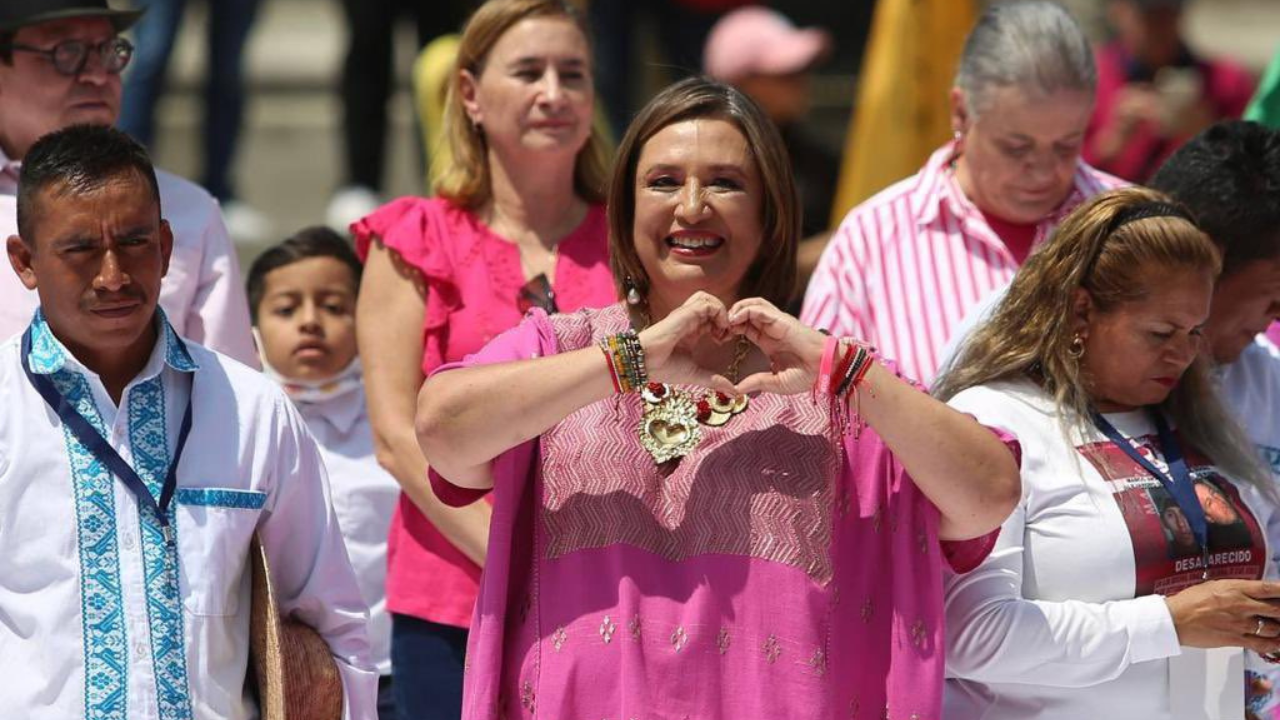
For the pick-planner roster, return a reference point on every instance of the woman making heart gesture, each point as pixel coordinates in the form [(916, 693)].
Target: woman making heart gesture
[(702, 507)]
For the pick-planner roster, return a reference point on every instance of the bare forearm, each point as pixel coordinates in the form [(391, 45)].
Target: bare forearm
[(468, 417), (467, 528), (961, 466)]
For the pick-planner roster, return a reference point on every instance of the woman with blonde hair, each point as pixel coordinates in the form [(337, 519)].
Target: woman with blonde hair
[(687, 521), (518, 222), (1089, 606)]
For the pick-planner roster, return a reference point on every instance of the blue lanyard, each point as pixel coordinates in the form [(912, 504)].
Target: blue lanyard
[(1180, 486), (97, 444)]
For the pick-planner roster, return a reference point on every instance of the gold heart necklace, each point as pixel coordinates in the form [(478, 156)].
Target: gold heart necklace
[(671, 425)]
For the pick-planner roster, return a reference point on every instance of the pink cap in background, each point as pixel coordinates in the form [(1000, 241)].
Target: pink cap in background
[(758, 41)]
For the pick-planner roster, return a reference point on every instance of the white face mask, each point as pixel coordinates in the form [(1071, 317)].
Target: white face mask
[(303, 392)]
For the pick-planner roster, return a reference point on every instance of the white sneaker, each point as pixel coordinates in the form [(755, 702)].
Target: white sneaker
[(245, 223), (349, 204)]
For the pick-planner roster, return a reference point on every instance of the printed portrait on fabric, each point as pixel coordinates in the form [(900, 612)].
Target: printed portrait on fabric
[(1167, 557)]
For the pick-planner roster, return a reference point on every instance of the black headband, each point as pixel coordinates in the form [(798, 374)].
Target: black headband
[(1145, 210), (1139, 211)]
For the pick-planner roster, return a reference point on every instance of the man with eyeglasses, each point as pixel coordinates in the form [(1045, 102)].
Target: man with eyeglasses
[(60, 65)]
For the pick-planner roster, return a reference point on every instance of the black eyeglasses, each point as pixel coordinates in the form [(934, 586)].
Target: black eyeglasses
[(70, 57), (537, 293)]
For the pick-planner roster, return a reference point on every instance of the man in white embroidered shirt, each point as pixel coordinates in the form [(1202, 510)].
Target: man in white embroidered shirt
[(60, 64), (124, 573)]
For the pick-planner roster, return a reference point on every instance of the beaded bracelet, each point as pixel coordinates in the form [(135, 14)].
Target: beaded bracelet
[(844, 365), (613, 370), (862, 358), (858, 360), (847, 353), (625, 357), (633, 359)]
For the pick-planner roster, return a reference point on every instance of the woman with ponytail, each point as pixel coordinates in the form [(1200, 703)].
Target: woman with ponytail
[(1095, 594)]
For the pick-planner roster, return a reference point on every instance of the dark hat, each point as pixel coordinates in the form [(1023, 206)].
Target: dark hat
[(16, 14), (1156, 4)]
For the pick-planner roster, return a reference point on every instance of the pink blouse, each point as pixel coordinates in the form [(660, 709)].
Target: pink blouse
[(782, 569), (470, 277)]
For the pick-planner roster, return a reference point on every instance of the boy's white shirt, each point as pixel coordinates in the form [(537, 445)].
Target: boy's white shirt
[(364, 494)]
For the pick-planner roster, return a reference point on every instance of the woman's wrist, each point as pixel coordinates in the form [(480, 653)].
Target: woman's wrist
[(624, 358), (841, 365), (813, 348)]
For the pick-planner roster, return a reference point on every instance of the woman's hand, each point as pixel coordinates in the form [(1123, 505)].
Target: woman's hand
[(794, 349), (1228, 613), (668, 344)]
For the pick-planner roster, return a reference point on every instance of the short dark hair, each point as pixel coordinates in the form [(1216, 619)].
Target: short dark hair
[(311, 242), (1229, 177), (78, 159), (773, 273), (6, 46)]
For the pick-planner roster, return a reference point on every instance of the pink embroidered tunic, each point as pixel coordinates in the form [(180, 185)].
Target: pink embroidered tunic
[(471, 277), (781, 569)]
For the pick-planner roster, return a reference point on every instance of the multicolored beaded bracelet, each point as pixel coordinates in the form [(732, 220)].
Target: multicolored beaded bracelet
[(624, 356)]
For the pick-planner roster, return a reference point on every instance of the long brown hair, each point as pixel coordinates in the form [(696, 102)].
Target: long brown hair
[(1032, 329), (464, 180), (773, 274)]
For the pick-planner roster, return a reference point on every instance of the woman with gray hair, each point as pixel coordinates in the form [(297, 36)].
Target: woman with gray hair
[(907, 265)]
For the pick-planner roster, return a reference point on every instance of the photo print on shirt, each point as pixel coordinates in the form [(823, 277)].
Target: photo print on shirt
[(1167, 557)]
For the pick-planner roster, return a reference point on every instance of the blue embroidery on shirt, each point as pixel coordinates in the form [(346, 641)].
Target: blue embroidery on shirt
[(149, 443), (176, 354), (48, 355), (106, 655), (105, 639), (217, 497)]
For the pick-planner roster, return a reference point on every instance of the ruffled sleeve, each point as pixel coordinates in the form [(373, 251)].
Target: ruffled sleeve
[(415, 231)]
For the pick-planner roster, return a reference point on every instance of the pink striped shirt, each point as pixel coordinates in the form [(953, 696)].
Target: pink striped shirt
[(905, 266)]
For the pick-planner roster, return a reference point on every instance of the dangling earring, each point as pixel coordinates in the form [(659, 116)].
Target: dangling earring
[(633, 293), (1076, 350)]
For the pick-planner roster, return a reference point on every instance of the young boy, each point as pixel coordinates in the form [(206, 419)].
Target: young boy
[(302, 296)]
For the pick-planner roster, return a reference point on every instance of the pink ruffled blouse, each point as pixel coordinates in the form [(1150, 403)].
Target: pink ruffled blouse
[(471, 278), (783, 569)]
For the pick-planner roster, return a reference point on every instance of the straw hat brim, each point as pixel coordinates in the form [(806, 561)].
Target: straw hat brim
[(295, 673)]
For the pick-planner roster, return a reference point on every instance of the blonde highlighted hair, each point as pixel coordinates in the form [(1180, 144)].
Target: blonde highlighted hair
[(1031, 331), (464, 176)]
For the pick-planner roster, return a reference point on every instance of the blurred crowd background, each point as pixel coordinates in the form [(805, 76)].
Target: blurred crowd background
[(289, 162)]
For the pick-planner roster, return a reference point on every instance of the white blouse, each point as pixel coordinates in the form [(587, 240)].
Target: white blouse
[(1066, 619)]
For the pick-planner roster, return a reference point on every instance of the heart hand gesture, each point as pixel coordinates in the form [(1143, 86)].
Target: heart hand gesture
[(668, 344), (794, 349)]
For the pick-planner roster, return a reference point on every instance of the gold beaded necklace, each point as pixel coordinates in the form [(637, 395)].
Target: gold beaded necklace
[(671, 425)]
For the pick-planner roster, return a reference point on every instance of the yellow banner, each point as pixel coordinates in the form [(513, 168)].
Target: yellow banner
[(902, 112)]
